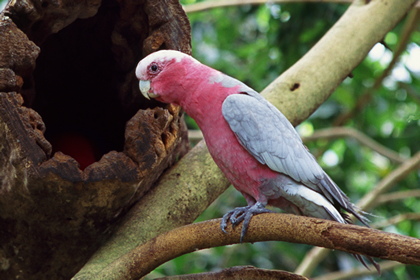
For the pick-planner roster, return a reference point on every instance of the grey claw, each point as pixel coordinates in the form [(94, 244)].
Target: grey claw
[(240, 214)]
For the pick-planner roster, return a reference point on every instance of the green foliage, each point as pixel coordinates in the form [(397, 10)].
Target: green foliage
[(255, 44)]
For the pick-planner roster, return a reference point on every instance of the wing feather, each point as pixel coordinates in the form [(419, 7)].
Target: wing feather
[(266, 134)]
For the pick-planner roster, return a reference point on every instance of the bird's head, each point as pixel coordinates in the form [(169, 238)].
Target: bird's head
[(162, 75)]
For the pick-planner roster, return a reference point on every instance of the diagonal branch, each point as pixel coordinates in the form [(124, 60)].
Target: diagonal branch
[(300, 90), (409, 27), (339, 132), (264, 227), (369, 200)]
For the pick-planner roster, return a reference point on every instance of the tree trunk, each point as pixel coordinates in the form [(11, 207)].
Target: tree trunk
[(78, 144)]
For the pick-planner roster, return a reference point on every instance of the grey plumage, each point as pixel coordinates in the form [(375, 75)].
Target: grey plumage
[(266, 133)]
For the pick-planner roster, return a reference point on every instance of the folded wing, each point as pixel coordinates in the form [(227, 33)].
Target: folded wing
[(267, 135)]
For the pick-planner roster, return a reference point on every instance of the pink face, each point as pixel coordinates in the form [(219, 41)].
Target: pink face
[(161, 74)]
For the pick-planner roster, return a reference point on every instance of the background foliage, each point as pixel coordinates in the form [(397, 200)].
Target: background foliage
[(255, 44)]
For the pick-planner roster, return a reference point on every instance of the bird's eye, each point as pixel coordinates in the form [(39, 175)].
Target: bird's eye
[(154, 68)]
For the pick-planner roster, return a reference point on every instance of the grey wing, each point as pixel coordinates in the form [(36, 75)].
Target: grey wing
[(266, 133)]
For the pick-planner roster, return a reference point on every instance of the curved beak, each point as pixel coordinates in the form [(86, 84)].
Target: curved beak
[(144, 86)]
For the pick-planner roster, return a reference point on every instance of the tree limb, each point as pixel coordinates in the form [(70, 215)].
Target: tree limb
[(300, 90), (339, 132), (385, 198), (265, 227), (369, 200), (397, 219), (409, 27), (238, 273), (208, 5)]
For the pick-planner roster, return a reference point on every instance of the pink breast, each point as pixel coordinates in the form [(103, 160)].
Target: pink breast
[(239, 166)]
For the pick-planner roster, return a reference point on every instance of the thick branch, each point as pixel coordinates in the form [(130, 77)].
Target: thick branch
[(238, 273), (264, 227), (409, 27), (309, 82)]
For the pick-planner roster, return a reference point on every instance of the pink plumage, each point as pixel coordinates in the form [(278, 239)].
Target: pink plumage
[(252, 142)]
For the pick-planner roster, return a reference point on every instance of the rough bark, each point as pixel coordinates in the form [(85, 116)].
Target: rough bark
[(239, 273), (67, 68), (165, 207), (265, 227)]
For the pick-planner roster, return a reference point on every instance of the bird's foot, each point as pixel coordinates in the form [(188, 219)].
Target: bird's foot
[(237, 215)]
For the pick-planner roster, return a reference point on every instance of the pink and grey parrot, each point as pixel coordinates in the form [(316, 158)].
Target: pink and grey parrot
[(250, 140)]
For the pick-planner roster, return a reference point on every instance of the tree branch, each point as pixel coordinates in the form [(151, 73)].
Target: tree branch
[(409, 27), (385, 198), (397, 219), (300, 90), (208, 5), (369, 200), (237, 273), (264, 227), (340, 132)]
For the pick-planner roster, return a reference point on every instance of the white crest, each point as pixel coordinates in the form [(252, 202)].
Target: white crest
[(162, 55)]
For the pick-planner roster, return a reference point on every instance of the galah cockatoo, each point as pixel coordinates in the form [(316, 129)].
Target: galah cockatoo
[(250, 140)]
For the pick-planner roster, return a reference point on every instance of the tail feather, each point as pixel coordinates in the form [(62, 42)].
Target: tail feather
[(371, 261), (340, 199), (364, 220), (313, 204), (352, 209)]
